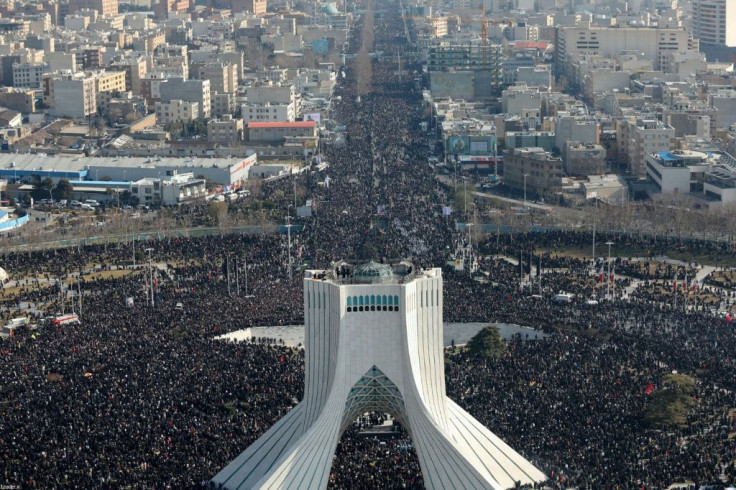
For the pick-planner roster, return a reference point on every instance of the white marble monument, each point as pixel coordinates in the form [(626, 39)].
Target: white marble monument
[(373, 342)]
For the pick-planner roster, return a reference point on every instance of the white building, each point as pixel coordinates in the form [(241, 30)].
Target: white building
[(28, 75), (272, 96), (73, 96), (656, 44), (373, 342), (189, 90), (519, 99), (267, 112), (709, 177), (639, 137), (670, 171), (580, 128), (725, 101), (176, 111), (168, 190)]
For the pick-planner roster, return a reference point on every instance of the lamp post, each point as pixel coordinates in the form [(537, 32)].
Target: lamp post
[(465, 195), (288, 234), (608, 290), (150, 272)]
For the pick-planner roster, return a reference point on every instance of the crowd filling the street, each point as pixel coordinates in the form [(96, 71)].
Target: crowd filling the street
[(141, 394)]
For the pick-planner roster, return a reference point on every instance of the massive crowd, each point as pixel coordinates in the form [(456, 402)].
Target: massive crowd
[(144, 396)]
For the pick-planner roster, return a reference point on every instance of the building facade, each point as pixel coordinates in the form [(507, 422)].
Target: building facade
[(584, 159), (278, 132), (639, 137), (225, 129), (655, 43), (176, 111), (533, 171), (373, 342), (190, 90)]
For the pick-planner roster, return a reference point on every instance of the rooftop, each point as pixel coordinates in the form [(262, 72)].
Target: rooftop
[(370, 272), (295, 124)]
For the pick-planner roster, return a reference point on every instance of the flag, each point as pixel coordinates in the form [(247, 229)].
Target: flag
[(327, 181), (601, 275), (649, 390), (674, 284), (613, 274), (446, 210)]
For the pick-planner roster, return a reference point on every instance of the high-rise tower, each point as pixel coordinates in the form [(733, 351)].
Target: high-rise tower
[(373, 342), (714, 22)]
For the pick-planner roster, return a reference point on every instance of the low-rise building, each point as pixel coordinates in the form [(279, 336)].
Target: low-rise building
[(584, 158), (280, 132), (225, 129), (168, 190)]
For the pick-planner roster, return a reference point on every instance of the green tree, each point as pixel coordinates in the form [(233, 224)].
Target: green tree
[(42, 189), (218, 211), (670, 405), (463, 197), (64, 189), (487, 343)]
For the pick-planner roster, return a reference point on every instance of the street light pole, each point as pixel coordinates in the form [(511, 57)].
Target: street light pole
[(465, 195), (150, 272), (608, 291), (288, 233)]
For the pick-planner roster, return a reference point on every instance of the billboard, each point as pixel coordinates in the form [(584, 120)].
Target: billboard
[(461, 144)]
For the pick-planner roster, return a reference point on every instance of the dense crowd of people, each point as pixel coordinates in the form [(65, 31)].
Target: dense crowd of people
[(144, 395)]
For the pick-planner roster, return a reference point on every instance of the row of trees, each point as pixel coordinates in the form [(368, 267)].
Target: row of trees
[(190, 129)]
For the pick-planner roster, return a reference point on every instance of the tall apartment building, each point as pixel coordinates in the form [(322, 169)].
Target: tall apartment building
[(72, 96), (103, 7), (75, 95), (638, 137), (29, 75), (135, 70), (655, 43), (255, 7), (163, 8), (267, 112), (714, 22), (725, 101), (533, 170), (109, 81), (190, 90), (176, 111), (223, 76), (267, 102), (581, 128), (472, 56), (18, 99)]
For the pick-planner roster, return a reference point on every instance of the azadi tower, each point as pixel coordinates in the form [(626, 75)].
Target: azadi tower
[(373, 342)]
